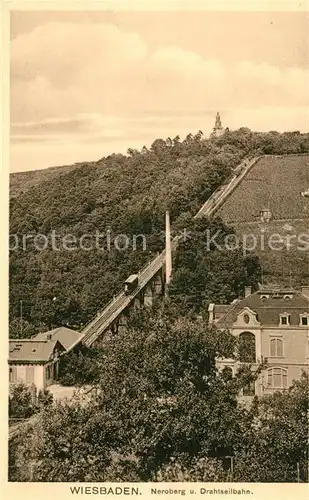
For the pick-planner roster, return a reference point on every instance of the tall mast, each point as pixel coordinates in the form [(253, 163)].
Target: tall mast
[(168, 249)]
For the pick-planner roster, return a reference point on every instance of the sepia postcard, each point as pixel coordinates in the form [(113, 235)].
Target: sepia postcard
[(155, 278)]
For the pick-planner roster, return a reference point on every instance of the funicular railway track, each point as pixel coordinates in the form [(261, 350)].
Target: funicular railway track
[(109, 314)]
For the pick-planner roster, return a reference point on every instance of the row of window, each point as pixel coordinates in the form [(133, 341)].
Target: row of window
[(285, 319), (29, 373), (247, 349)]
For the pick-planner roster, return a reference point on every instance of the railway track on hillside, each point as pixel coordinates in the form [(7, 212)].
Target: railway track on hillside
[(120, 302)]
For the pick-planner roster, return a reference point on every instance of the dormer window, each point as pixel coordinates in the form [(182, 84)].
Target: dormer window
[(265, 214), (285, 319), (264, 297), (304, 320), (288, 297)]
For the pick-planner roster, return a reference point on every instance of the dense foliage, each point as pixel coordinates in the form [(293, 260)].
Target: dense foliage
[(206, 269), (25, 401), (200, 275), (121, 194), (80, 366), (279, 447), (162, 411)]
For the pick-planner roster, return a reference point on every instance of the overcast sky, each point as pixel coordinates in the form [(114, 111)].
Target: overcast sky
[(86, 84)]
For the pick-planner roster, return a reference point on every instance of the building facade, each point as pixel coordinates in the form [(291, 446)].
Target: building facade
[(36, 361), (272, 325)]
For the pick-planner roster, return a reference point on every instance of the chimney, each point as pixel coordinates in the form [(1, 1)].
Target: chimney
[(248, 291), (211, 310), (168, 249), (305, 291)]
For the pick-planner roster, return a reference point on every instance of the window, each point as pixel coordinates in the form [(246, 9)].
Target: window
[(249, 389), (48, 372), (247, 352), (12, 374), (288, 297), (264, 297), (285, 319), (277, 378), (304, 321), (246, 318), (276, 348)]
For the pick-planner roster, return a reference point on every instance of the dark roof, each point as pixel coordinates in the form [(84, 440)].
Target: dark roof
[(66, 336), (30, 350), (269, 308)]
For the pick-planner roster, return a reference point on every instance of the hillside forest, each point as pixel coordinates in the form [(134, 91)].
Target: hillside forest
[(127, 195)]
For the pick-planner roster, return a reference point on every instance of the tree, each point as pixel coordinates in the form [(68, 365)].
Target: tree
[(126, 193), (80, 367), (206, 270), (22, 401), (132, 152), (21, 329), (158, 146), (160, 410), (279, 448), (183, 469), (45, 399)]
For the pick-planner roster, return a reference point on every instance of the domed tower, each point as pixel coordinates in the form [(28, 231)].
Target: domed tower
[(218, 129)]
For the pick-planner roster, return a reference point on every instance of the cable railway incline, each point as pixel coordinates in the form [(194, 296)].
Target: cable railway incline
[(109, 314)]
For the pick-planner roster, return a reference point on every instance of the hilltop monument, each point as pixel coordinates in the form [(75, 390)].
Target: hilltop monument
[(218, 129)]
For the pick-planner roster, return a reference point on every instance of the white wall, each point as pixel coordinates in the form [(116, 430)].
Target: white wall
[(38, 375), (39, 379)]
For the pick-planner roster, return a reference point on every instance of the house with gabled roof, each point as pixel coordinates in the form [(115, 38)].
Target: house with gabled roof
[(67, 337), (272, 324), (34, 362)]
